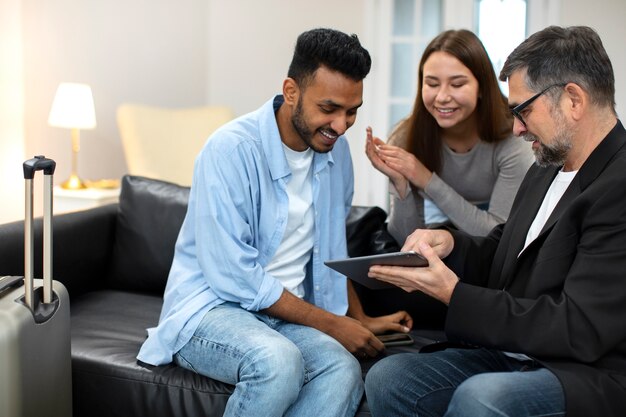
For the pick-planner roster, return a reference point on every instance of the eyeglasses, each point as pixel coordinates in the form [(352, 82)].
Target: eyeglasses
[(517, 110)]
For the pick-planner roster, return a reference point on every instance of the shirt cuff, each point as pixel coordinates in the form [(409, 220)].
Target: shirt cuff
[(396, 194), (432, 186), (270, 291)]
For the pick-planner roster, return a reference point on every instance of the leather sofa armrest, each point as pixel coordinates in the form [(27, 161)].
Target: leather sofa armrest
[(81, 248)]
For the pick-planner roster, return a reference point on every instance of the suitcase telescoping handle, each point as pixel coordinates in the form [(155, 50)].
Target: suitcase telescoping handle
[(38, 163)]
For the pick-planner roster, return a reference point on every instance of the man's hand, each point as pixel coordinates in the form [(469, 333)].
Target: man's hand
[(355, 337), (399, 322), (436, 279), (441, 241)]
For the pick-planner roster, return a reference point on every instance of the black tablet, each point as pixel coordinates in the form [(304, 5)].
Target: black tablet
[(356, 268)]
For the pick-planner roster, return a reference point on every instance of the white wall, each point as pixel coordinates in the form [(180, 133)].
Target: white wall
[(250, 47), (153, 52), (251, 43), (11, 111), (607, 17)]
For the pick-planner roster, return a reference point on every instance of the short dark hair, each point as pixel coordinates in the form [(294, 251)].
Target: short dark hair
[(330, 48), (560, 55)]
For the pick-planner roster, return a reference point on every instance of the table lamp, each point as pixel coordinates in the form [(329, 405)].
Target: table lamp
[(73, 109)]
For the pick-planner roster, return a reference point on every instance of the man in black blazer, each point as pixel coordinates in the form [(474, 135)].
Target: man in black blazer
[(536, 319)]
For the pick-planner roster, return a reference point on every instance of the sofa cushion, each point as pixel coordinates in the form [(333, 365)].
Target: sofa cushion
[(108, 328), (150, 215)]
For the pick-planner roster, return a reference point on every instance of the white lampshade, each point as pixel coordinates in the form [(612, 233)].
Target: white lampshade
[(73, 107)]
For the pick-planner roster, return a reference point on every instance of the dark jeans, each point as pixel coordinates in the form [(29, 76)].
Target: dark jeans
[(462, 382)]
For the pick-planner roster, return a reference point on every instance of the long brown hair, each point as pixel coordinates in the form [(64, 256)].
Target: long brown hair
[(494, 119)]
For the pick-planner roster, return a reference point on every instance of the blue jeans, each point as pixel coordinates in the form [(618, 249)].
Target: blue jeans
[(462, 382), (278, 368)]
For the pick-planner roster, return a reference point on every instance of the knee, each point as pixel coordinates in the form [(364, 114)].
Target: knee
[(278, 367), (480, 395), (351, 375), (381, 379), (346, 368)]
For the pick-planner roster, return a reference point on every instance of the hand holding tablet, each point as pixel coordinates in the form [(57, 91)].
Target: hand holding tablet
[(357, 268)]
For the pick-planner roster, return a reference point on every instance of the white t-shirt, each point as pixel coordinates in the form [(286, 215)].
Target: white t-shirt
[(294, 252), (554, 194), (432, 213)]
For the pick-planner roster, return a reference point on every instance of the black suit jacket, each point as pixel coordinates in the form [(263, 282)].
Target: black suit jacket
[(562, 301)]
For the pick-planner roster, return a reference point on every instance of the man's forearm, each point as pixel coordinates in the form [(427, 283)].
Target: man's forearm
[(295, 310), (355, 337), (355, 308)]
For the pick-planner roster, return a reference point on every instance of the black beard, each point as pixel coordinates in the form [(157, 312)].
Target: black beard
[(302, 129)]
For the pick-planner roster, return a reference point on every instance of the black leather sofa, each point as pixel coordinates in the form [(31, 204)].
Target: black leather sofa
[(114, 261)]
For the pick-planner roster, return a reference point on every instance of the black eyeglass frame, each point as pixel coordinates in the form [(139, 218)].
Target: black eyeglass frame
[(516, 111)]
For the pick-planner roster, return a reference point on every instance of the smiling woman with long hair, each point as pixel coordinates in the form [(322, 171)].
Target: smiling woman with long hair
[(453, 160)]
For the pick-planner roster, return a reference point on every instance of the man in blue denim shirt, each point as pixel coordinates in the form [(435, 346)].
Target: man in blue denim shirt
[(249, 300)]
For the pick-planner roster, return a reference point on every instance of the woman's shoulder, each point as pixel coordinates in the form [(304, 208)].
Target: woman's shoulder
[(509, 145), (513, 144), (513, 151)]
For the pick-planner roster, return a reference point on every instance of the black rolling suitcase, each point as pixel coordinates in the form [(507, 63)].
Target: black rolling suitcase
[(35, 362)]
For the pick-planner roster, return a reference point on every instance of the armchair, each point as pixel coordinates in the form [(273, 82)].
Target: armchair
[(162, 143)]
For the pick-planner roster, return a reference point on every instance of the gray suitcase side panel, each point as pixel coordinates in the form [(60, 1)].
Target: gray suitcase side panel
[(35, 358)]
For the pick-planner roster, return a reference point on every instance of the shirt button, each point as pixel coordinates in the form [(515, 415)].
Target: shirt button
[(317, 288)]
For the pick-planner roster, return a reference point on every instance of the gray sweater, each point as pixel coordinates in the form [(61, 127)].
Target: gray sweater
[(487, 176)]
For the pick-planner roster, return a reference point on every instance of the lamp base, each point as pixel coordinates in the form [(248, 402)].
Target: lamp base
[(73, 183)]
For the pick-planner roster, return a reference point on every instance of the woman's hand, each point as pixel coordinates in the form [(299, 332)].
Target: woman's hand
[(372, 145), (389, 158)]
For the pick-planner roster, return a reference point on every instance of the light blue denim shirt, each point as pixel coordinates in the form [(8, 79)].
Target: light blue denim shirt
[(235, 221)]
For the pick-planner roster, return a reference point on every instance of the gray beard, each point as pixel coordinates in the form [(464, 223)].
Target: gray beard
[(554, 154)]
